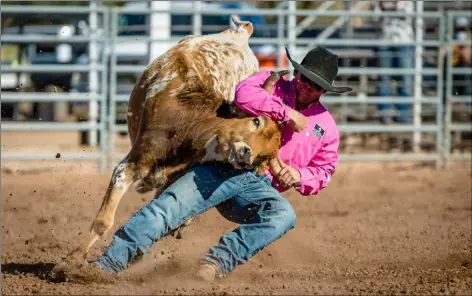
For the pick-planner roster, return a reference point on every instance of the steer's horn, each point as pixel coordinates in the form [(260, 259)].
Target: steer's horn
[(270, 82)]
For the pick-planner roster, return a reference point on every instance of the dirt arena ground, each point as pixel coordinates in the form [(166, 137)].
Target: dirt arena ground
[(377, 229)]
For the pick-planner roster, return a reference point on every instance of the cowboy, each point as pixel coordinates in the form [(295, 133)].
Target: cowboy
[(306, 161)]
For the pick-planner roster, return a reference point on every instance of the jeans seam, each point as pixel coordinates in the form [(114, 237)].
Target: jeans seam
[(242, 195), (255, 252)]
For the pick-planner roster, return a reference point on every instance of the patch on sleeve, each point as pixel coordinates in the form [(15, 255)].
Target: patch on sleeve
[(318, 131)]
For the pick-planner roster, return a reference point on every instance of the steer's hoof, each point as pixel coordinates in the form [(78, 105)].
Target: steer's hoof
[(61, 271), (80, 272)]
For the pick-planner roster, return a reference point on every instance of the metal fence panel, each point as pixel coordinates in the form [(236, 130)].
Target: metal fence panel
[(109, 93), (298, 43), (453, 98), (92, 97)]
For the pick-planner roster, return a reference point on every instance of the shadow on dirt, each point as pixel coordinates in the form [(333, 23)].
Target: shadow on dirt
[(40, 270)]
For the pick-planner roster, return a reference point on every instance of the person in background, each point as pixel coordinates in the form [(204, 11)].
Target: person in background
[(461, 56), (396, 29)]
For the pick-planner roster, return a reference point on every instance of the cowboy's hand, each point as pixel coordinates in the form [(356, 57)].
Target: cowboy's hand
[(297, 120), (274, 167), (287, 175)]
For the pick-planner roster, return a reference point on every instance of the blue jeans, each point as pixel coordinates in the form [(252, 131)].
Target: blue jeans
[(240, 196), (405, 59)]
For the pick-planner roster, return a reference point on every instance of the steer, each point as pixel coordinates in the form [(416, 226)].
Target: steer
[(173, 122)]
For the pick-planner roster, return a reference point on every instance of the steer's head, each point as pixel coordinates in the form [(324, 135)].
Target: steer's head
[(249, 143)]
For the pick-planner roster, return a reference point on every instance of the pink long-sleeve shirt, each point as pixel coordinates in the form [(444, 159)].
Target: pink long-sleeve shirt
[(314, 151)]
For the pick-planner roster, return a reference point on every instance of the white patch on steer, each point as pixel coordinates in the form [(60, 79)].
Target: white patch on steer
[(210, 149), (239, 145), (191, 73), (222, 72), (160, 177), (159, 85), (119, 177), (177, 90), (237, 68)]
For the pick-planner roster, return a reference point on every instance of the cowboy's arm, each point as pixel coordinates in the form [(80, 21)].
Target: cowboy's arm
[(321, 168), (252, 98)]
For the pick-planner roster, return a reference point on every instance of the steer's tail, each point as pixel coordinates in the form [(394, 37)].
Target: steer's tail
[(245, 28)]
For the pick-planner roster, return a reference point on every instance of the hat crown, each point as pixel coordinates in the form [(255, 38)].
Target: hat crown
[(322, 62)]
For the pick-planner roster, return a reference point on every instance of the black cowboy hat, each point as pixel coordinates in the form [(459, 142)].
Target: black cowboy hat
[(320, 66)]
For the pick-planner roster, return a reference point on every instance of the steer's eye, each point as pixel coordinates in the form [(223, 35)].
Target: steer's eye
[(256, 121)]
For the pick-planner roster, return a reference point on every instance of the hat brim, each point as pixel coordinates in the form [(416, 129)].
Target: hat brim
[(316, 78)]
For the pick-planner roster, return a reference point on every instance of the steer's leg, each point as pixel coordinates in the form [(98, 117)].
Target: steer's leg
[(123, 176)]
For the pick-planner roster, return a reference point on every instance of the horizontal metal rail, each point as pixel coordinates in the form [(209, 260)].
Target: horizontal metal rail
[(433, 157), (298, 41), (274, 12), (355, 128), (124, 98), (342, 70), (461, 71), (48, 126), (50, 68), (378, 100), (120, 128), (369, 128), (460, 99), (389, 157), (461, 127), (461, 156), (47, 156), (35, 38), (39, 9), (47, 97)]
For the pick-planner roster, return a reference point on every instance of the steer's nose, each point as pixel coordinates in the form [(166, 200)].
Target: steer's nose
[(245, 151), (245, 154)]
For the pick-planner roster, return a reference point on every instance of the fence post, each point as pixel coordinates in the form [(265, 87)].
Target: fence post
[(112, 90), (197, 18), (160, 28), (440, 92), (104, 132), (280, 37), (292, 24), (448, 111), (93, 74), (418, 76)]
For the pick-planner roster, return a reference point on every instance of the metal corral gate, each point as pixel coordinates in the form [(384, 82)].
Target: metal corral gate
[(95, 96), (302, 44), (453, 98), (286, 14)]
